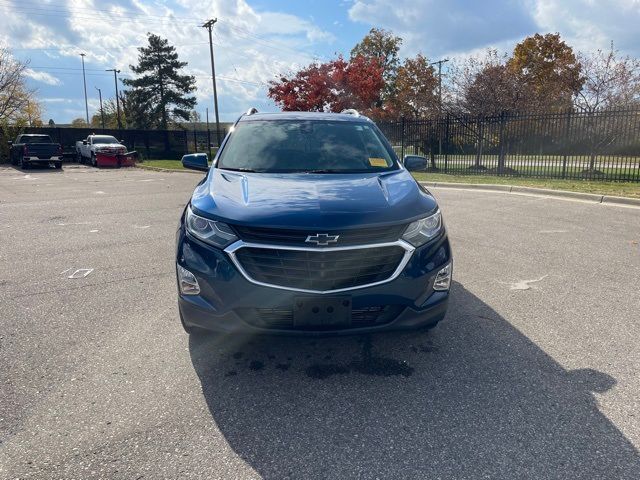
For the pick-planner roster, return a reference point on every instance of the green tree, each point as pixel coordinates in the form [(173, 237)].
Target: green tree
[(159, 93), (550, 68), (382, 45)]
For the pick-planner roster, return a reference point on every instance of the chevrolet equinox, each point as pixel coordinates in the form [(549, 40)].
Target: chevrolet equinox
[(308, 223)]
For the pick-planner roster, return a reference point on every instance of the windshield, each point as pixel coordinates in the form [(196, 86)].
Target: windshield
[(36, 139), (104, 139), (305, 146)]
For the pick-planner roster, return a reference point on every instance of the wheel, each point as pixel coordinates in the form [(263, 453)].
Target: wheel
[(94, 162), (24, 165), (58, 165), (78, 158)]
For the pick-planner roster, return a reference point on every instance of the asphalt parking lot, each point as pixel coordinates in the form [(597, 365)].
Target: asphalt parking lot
[(533, 374)]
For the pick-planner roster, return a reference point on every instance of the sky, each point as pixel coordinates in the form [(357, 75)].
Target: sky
[(255, 41)]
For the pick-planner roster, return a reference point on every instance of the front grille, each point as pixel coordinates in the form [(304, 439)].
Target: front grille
[(282, 318), (320, 270), (279, 236)]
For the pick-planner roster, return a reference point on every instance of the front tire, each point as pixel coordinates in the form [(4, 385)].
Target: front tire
[(58, 165), (94, 162), (24, 165)]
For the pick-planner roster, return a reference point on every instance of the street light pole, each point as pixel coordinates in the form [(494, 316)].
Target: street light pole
[(209, 26), (101, 110), (84, 80), (115, 78)]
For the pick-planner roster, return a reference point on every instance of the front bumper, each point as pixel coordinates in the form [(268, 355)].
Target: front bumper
[(228, 302), (56, 158)]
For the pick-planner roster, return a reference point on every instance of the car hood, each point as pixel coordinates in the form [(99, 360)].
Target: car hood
[(108, 145), (302, 200)]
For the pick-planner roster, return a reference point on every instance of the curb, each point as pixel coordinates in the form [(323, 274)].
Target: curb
[(167, 170), (593, 197)]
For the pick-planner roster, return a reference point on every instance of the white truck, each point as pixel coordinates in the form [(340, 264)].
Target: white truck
[(87, 149)]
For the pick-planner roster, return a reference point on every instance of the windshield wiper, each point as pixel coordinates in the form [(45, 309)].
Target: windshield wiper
[(326, 170), (239, 169)]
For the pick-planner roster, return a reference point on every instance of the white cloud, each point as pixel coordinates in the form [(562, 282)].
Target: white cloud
[(43, 77), (56, 100), (437, 28), (251, 46), (588, 25), (459, 27)]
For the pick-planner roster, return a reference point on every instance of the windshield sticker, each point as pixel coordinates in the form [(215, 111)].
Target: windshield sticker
[(377, 162)]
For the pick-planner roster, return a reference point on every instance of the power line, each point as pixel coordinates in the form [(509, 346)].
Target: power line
[(72, 71), (128, 16), (121, 12)]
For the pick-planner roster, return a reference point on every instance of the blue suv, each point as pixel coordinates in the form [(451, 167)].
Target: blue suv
[(308, 223)]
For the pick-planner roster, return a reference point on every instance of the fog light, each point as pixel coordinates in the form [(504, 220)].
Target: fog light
[(187, 282), (443, 278)]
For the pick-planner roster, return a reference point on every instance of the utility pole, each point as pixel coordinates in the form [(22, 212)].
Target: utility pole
[(208, 135), (84, 80), (209, 26), (439, 63), (115, 77), (101, 110)]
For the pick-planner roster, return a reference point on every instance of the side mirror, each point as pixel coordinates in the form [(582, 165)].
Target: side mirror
[(84, 142), (196, 161), (10, 142), (121, 141), (415, 162)]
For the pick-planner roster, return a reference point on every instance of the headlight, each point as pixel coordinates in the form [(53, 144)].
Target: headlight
[(214, 233), (421, 231)]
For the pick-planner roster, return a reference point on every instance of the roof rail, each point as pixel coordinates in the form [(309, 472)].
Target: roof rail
[(351, 111), (251, 111)]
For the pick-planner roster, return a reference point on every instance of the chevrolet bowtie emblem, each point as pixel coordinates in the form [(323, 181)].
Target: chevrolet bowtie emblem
[(322, 239)]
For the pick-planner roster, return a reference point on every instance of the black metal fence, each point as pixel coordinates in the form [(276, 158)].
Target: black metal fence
[(604, 145), (150, 144)]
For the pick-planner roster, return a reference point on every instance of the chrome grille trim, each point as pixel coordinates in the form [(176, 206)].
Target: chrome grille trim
[(234, 247)]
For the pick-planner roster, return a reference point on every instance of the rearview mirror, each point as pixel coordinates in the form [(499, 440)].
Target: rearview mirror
[(415, 162), (196, 161)]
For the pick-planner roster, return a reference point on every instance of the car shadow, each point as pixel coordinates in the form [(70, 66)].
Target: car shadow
[(473, 398), (36, 168)]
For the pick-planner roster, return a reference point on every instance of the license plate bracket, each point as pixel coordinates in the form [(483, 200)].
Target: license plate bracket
[(322, 311)]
